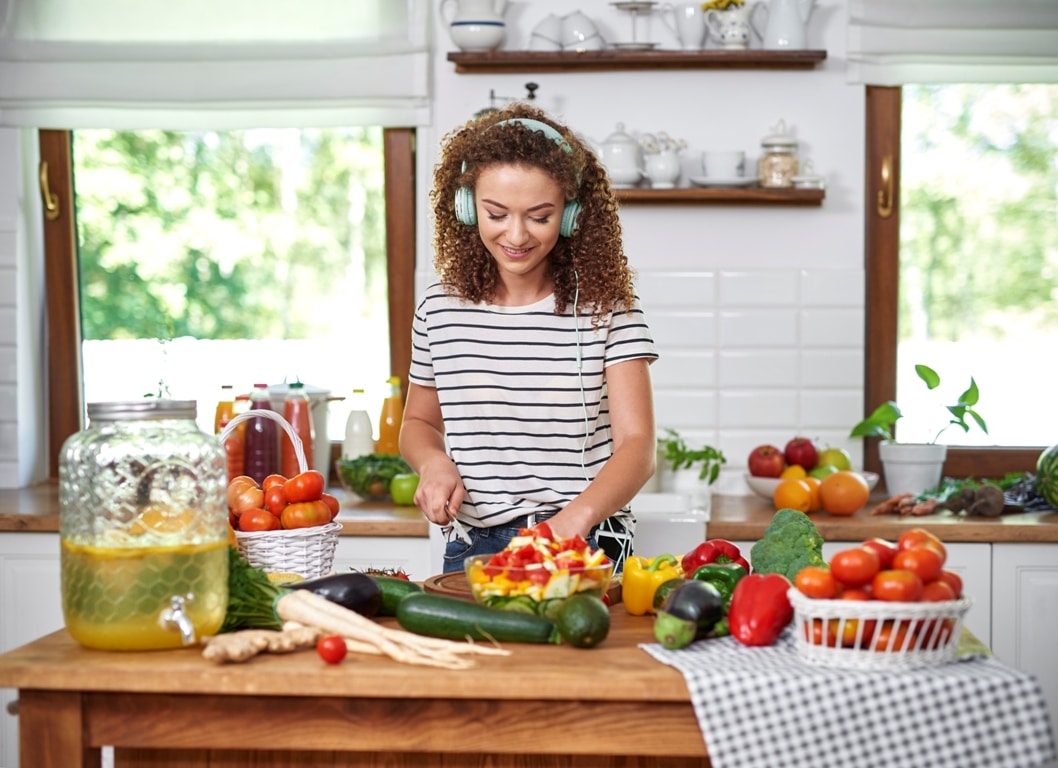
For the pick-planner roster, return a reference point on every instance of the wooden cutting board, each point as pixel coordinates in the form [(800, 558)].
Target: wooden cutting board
[(455, 585)]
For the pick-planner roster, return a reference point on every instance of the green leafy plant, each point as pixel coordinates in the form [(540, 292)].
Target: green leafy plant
[(883, 419), (675, 451)]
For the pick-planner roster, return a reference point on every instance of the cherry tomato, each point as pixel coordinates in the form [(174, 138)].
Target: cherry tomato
[(924, 561), (916, 537), (816, 582), (857, 593), (245, 497), (306, 486), (275, 499), (851, 626), (305, 514), (332, 504), (819, 632), (896, 586), (891, 636), (953, 580), (271, 480), (258, 520), (331, 648), (937, 592), (855, 567), (886, 551)]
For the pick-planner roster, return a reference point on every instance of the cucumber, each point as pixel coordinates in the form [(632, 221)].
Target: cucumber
[(456, 619), (393, 591)]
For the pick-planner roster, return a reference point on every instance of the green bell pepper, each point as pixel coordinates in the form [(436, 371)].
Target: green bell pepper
[(723, 576)]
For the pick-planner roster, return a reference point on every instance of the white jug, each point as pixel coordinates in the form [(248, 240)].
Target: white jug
[(786, 22), (623, 158), (730, 27), (688, 24), (475, 25)]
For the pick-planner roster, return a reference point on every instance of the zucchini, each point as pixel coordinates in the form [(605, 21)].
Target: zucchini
[(393, 591), (456, 619), (689, 613)]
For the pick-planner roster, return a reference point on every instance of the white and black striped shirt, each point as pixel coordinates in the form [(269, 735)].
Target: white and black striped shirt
[(516, 409)]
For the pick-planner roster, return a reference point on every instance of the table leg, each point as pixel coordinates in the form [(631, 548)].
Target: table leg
[(51, 731)]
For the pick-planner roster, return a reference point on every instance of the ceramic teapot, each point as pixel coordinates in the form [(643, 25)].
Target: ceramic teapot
[(785, 25), (623, 158), (731, 26), (475, 25)]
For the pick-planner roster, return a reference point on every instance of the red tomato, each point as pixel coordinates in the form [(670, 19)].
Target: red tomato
[(332, 504), (886, 551), (855, 567), (271, 480), (916, 537), (896, 586), (331, 648), (937, 592), (850, 627), (258, 520), (953, 580), (816, 582), (306, 486), (275, 499), (891, 636), (543, 530), (305, 514), (924, 561), (857, 593), (818, 632)]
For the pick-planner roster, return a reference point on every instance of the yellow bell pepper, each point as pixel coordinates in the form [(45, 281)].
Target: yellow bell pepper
[(641, 579)]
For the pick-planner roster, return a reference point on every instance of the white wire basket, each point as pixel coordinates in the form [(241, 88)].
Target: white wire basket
[(876, 634), (308, 552)]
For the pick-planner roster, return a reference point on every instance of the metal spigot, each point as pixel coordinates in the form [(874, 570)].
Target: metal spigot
[(176, 617)]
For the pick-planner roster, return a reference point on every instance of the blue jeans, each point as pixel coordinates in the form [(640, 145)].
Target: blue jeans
[(489, 541)]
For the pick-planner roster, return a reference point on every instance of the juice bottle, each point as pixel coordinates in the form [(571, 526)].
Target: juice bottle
[(297, 410), (234, 446), (262, 439), (358, 430), (225, 408), (390, 420)]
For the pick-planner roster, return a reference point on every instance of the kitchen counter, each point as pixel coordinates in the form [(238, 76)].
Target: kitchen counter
[(738, 518)]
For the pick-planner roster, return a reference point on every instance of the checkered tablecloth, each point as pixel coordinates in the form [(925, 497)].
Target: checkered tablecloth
[(765, 708)]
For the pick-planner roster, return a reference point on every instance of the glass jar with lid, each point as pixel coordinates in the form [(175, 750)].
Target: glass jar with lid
[(778, 163), (143, 527)]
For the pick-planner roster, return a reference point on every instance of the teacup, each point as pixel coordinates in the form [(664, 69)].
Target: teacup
[(724, 164)]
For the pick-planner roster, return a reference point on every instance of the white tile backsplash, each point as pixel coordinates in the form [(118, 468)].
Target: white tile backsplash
[(832, 328), (756, 368), (685, 368), (758, 408), (773, 328), (759, 289)]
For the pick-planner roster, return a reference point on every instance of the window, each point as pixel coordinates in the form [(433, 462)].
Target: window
[(957, 277), (65, 302)]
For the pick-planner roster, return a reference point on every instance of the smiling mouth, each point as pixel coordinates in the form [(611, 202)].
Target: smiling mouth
[(516, 252)]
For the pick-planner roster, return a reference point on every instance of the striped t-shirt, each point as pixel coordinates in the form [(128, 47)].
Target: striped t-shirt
[(519, 388)]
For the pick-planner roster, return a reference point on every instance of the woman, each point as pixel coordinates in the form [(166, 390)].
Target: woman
[(529, 392)]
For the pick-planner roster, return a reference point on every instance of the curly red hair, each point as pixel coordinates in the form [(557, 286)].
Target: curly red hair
[(462, 262)]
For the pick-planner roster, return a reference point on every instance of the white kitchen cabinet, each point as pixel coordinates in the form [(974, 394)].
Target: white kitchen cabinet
[(30, 606), (1025, 612), (413, 554)]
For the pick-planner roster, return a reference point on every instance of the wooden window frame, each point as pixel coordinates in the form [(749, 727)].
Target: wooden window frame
[(65, 398), (883, 105)]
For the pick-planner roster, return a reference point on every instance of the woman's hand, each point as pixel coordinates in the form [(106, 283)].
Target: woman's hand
[(440, 492)]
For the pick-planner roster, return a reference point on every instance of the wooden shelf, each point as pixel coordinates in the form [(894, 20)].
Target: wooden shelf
[(507, 62), (721, 196)]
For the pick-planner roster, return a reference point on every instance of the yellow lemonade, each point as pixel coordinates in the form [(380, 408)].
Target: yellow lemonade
[(114, 598)]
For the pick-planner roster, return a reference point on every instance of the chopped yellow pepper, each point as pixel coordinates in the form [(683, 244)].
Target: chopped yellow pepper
[(641, 579)]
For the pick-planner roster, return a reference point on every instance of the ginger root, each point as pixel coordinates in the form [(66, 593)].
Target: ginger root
[(247, 643)]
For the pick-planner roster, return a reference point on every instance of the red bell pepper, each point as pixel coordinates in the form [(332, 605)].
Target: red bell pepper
[(713, 551), (760, 608)]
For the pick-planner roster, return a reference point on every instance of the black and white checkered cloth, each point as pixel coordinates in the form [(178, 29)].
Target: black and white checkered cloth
[(765, 708)]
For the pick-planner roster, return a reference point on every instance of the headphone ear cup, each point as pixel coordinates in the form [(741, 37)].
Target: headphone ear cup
[(466, 213), (569, 218)]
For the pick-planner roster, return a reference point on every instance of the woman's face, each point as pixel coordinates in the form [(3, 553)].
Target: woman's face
[(519, 214)]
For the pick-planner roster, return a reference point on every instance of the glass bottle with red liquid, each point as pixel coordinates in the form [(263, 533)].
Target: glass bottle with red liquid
[(261, 451), (297, 410)]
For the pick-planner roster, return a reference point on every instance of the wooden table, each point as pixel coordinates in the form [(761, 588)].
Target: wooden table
[(541, 706)]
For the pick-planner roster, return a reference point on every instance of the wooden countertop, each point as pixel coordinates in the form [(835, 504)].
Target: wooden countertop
[(741, 518)]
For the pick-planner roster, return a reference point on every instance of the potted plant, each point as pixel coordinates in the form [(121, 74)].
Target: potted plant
[(916, 467), (689, 470)]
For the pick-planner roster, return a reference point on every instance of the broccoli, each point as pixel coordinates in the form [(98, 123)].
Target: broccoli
[(790, 542)]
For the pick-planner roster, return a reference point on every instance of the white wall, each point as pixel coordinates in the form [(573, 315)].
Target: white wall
[(758, 312)]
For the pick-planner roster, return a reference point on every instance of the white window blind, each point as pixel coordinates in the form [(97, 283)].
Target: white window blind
[(892, 42), (131, 64)]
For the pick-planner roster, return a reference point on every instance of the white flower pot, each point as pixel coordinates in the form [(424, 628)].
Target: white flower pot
[(911, 467)]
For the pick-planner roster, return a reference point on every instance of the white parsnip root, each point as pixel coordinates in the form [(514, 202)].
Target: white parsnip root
[(362, 635), (247, 643)]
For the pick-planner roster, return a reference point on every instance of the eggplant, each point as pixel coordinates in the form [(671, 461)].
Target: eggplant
[(690, 612), (356, 591)]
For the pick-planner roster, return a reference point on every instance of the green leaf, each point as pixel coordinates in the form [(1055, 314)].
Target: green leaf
[(928, 375)]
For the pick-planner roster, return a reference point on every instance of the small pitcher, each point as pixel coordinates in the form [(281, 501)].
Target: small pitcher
[(687, 23), (731, 26), (786, 21), (475, 25)]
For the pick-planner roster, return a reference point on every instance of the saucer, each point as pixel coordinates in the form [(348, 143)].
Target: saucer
[(718, 181), (633, 46)]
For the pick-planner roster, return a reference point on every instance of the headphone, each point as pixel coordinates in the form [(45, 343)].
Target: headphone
[(466, 212)]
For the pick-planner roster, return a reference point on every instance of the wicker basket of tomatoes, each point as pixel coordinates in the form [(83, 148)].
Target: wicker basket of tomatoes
[(284, 525), (880, 605)]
